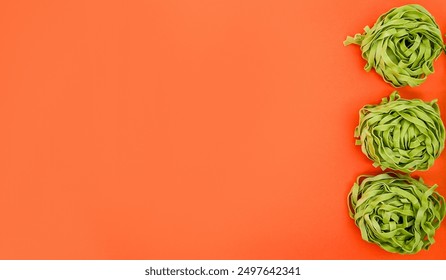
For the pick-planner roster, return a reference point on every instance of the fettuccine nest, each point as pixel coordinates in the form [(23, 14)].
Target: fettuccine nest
[(402, 45), (401, 134), (396, 212)]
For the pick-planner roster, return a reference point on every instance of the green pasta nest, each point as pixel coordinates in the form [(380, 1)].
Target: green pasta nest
[(396, 212), (401, 134), (402, 45)]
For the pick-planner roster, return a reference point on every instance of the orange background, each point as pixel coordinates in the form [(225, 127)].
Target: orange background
[(189, 129)]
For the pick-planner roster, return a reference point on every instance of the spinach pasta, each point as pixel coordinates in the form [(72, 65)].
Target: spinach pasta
[(401, 134), (396, 212), (401, 46)]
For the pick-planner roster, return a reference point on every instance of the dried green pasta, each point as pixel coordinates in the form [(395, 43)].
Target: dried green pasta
[(402, 45), (401, 134), (396, 212)]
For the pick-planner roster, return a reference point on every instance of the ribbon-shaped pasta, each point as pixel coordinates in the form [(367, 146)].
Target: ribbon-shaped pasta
[(402, 45), (396, 212), (401, 134)]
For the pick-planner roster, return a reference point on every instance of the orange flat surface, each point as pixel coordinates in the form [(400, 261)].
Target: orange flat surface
[(189, 129)]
